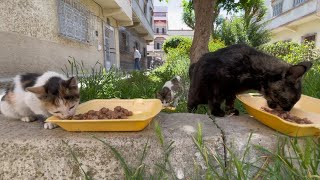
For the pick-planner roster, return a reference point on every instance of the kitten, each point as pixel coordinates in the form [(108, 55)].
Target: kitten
[(31, 94), (170, 92)]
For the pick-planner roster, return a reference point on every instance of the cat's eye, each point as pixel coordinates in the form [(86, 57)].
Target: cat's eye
[(57, 112), (71, 107)]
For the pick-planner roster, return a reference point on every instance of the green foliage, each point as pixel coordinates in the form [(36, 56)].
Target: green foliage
[(182, 45), (294, 53), (215, 44), (235, 31), (188, 16), (248, 28), (175, 41), (95, 82), (293, 160)]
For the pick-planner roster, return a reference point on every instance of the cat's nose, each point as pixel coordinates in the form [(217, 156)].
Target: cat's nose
[(287, 108)]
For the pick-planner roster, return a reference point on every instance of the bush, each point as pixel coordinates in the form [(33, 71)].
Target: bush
[(183, 44), (173, 42), (215, 44)]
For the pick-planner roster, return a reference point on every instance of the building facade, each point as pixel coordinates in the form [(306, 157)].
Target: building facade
[(294, 20), (181, 32), (38, 36), (160, 30), (137, 35)]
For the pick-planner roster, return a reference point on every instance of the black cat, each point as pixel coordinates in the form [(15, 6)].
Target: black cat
[(222, 74)]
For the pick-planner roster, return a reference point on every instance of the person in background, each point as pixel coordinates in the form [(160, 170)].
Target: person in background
[(137, 57)]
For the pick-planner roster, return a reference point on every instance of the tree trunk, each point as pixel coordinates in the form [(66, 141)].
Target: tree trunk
[(203, 10)]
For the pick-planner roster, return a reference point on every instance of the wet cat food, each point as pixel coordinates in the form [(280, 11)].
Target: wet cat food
[(104, 113), (287, 116)]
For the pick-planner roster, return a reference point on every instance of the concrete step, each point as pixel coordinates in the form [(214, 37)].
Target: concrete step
[(30, 152)]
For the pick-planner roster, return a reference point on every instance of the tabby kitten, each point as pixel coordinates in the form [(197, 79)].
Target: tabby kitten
[(31, 94)]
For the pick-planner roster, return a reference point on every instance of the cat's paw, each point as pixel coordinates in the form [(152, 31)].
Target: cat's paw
[(232, 111), (218, 113), (48, 125), (28, 119)]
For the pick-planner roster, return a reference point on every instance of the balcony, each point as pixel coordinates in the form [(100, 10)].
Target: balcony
[(141, 23), (121, 10), (289, 19)]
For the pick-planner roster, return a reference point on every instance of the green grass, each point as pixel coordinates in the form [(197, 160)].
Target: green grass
[(290, 160)]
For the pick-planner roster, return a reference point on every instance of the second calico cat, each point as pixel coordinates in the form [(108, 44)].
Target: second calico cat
[(45, 94), (170, 92)]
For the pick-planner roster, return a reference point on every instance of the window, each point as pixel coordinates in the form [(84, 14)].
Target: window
[(158, 46), (157, 30), (73, 21), (145, 5), (124, 41), (151, 15), (277, 8), (309, 38), (297, 2), (163, 31)]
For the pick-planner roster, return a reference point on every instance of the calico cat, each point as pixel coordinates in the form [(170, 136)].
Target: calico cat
[(170, 92), (31, 94), (223, 74)]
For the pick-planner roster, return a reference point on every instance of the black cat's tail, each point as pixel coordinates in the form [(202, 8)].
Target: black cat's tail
[(191, 68)]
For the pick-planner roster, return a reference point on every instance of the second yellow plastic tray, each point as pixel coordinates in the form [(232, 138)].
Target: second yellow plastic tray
[(306, 107)]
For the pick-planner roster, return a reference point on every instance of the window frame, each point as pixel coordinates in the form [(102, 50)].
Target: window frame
[(277, 8), (83, 22), (298, 2)]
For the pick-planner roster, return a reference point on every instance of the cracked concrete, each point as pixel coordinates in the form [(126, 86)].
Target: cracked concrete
[(30, 152)]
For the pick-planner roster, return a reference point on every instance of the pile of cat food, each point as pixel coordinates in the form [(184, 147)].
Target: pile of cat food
[(287, 116), (104, 113)]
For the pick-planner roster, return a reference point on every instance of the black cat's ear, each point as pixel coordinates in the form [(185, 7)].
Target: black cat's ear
[(72, 83), (36, 90), (295, 72)]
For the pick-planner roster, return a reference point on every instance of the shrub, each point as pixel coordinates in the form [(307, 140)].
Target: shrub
[(215, 44), (173, 42), (183, 44)]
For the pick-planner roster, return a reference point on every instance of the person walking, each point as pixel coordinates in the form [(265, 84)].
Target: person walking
[(137, 57)]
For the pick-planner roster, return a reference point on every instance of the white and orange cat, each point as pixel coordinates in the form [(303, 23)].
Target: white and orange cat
[(31, 94)]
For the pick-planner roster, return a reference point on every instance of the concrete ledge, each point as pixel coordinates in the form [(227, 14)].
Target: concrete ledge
[(30, 152)]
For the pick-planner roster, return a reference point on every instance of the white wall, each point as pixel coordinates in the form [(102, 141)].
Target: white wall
[(302, 30)]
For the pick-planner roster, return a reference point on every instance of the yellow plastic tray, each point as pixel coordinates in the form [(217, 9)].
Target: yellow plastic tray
[(306, 107), (144, 110)]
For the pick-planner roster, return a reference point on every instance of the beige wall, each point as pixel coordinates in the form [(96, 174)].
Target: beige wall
[(30, 41), (301, 30)]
